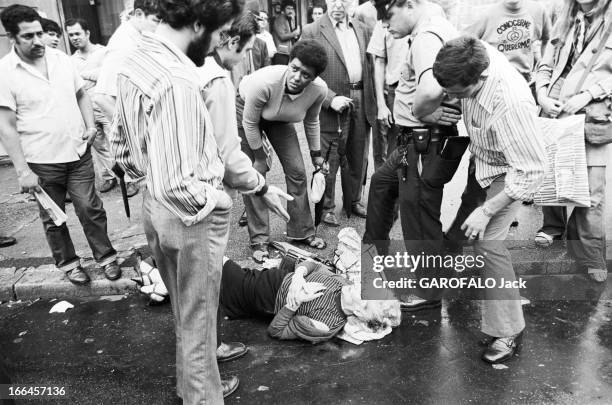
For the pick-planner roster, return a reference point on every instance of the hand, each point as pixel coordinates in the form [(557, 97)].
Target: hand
[(443, 116), (297, 32), (224, 201), (310, 291), (297, 282), (475, 225), (273, 200), (90, 135), (28, 181), (384, 116), (339, 103), (551, 107), (261, 166), (576, 103), (318, 161)]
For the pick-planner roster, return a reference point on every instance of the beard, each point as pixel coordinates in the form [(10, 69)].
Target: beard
[(198, 49)]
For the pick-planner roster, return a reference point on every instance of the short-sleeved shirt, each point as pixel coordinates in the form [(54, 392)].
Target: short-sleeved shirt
[(49, 121), (514, 33), (91, 62), (123, 41), (394, 51), (411, 69)]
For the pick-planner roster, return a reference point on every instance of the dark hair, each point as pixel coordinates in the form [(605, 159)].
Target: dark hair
[(51, 26), (318, 4), (287, 3), (461, 61), (212, 14), (383, 6), (311, 54), (15, 14), (148, 7), (74, 21), (245, 26)]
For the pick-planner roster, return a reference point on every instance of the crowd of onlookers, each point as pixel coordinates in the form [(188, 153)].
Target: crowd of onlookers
[(190, 100)]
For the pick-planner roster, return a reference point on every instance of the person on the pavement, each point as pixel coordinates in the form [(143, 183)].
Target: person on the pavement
[(576, 38), (414, 174), (275, 97), (500, 114), (143, 17), (308, 302), (47, 126), (219, 97), (349, 109), (52, 33), (87, 59), (168, 143)]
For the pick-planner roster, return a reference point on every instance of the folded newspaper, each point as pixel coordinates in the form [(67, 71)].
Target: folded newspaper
[(58, 216)]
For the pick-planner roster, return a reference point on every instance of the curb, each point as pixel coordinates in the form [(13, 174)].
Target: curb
[(27, 283)]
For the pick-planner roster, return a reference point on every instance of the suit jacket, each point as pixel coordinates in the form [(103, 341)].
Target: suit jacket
[(281, 33), (336, 75)]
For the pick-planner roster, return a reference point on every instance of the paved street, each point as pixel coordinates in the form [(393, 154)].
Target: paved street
[(122, 352)]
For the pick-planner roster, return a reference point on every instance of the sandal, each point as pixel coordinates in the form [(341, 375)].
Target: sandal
[(542, 239), (260, 253), (598, 275), (312, 241)]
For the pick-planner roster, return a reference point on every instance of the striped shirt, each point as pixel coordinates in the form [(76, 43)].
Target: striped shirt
[(326, 309), (501, 122), (162, 132)]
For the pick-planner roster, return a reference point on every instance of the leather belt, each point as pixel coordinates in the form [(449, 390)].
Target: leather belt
[(436, 133), (356, 86)]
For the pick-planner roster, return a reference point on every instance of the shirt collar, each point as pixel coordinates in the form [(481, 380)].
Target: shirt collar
[(17, 61), (153, 40)]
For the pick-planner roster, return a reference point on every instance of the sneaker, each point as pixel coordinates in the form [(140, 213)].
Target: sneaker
[(413, 304), (108, 185)]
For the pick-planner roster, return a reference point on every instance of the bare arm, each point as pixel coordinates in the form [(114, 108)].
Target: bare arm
[(10, 140), (429, 93)]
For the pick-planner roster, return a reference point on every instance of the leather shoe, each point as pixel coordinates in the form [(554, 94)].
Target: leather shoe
[(330, 219), (359, 210), (77, 276), (131, 189), (112, 271), (230, 385), (230, 351), (108, 185), (243, 221), (6, 241), (502, 349)]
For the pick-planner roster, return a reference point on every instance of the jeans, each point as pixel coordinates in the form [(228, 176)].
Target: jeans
[(502, 313), (286, 145), (190, 259), (76, 178), (585, 228), (355, 132), (384, 139)]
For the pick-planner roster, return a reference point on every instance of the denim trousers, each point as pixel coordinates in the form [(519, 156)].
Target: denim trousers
[(284, 140), (384, 138), (76, 178), (585, 228), (190, 261), (355, 133)]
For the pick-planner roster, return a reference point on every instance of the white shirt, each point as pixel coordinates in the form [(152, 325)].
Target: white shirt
[(123, 41), (269, 40), (350, 49), (49, 121)]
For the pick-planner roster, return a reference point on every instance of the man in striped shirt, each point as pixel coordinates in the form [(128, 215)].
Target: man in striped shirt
[(164, 138), (500, 115)]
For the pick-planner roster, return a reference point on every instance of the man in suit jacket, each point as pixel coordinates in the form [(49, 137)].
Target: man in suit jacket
[(350, 82), (285, 32)]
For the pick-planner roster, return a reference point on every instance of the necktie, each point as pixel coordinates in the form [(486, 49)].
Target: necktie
[(579, 36)]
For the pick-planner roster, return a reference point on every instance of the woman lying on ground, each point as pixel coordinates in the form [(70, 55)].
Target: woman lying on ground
[(310, 303)]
